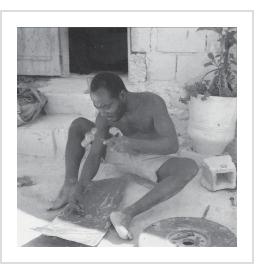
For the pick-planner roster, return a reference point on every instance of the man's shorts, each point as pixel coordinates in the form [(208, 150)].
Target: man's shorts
[(143, 165)]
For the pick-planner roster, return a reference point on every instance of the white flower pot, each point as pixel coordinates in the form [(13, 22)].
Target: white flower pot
[(212, 123)]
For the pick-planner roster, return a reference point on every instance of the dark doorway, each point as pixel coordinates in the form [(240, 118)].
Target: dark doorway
[(97, 49)]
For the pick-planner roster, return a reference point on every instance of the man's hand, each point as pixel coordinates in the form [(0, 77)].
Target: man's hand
[(120, 144), (75, 205), (70, 193), (74, 208)]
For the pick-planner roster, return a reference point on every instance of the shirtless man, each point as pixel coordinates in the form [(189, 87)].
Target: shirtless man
[(148, 134)]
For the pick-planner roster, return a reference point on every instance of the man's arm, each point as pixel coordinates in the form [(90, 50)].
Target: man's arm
[(97, 151), (165, 141)]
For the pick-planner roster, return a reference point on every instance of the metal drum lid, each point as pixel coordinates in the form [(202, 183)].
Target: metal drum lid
[(187, 232)]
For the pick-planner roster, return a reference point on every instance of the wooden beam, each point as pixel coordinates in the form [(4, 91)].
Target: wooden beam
[(64, 51)]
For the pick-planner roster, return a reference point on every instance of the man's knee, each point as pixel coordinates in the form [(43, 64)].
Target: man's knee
[(81, 126), (192, 169), (187, 170), (183, 169)]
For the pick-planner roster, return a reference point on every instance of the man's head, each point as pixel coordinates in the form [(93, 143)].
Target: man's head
[(108, 94)]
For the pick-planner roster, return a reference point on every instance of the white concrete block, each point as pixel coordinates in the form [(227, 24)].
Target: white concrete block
[(190, 67), (140, 39), (161, 66), (182, 40), (212, 45), (219, 172), (137, 68)]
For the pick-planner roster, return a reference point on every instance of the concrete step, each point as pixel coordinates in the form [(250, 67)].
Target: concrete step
[(45, 137), (71, 95), (68, 96)]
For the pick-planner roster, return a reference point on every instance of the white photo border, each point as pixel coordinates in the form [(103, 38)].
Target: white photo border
[(243, 20)]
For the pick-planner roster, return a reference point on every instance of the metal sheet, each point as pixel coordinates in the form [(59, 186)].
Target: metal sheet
[(187, 232), (102, 198)]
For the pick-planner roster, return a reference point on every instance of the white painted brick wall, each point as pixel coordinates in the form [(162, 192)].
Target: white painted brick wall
[(163, 46), (161, 66), (180, 40), (190, 67), (137, 71), (141, 39)]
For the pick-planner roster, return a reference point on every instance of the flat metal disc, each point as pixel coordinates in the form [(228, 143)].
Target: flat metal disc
[(187, 232)]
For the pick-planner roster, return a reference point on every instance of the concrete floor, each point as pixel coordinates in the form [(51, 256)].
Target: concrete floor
[(48, 175), (47, 137)]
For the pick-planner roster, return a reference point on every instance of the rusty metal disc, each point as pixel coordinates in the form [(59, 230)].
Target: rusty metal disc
[(187, 232)]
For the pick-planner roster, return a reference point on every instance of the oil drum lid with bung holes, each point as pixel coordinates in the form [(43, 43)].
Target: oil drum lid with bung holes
[(187, 232)]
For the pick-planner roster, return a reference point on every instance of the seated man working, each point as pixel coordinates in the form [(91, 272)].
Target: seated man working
[(149, 138)]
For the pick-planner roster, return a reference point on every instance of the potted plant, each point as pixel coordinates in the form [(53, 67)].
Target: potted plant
[(212, 104)]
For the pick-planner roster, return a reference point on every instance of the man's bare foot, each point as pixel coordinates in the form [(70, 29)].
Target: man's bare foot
[(121, 222), (64, 197)]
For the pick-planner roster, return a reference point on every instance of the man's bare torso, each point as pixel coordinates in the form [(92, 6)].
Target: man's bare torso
[(137, 121)]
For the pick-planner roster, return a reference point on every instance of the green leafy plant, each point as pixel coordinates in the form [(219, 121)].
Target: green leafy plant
[(221, 79)]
